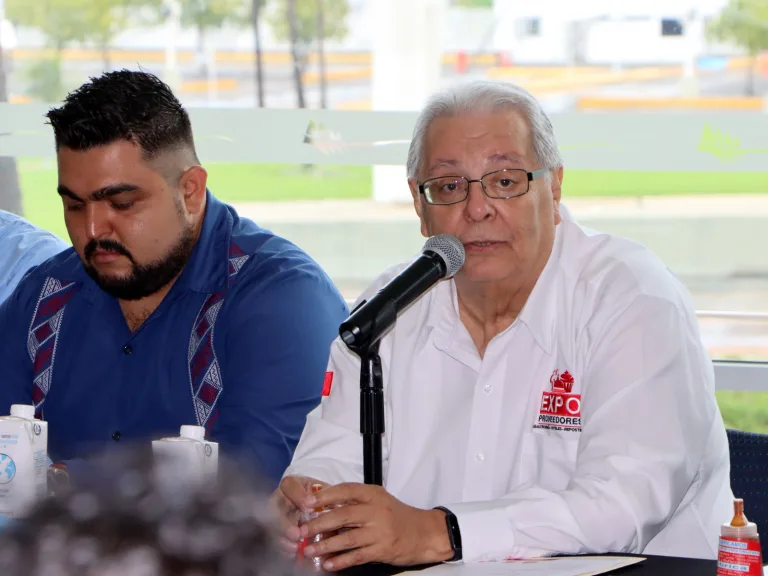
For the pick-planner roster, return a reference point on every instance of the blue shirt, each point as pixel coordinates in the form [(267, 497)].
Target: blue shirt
[(22, 246), (239, 345)]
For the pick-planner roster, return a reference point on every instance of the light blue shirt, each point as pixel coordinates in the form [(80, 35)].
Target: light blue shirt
[(22, 246)]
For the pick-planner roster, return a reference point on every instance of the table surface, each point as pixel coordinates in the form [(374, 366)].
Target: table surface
[(653, 565)]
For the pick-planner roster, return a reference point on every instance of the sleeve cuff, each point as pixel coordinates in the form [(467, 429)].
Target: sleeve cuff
[(325, 473), (486, 534)]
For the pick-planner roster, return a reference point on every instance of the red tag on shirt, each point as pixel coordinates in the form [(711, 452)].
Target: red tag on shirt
[(327, 383)]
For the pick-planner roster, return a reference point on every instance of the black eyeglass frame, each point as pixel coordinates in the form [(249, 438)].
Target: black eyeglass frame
[(531, 177)]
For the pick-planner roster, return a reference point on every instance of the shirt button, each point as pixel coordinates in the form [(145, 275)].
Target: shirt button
[(116, 436), (479, 456), (488, 388), (127, 350)]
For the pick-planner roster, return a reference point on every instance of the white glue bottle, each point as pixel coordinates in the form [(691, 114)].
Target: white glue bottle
[(23, 461), (188, 455), (739, 551)]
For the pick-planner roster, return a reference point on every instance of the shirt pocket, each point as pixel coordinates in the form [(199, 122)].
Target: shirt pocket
[(548, 459)]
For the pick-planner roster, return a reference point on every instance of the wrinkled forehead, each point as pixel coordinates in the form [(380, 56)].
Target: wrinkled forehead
[(495, 137)]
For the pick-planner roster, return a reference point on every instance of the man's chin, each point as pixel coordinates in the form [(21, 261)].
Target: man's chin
[(484, 272), (107, 280), (123, 291), (117, 285)]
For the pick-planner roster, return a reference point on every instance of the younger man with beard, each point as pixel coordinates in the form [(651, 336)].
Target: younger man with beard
[(169, 309)]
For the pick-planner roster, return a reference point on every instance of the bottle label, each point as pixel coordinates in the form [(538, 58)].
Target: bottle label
[(738, 557)]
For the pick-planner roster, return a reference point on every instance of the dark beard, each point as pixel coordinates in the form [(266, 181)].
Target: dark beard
[(145, 279)]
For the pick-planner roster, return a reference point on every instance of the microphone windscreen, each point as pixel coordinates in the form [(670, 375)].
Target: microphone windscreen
[(450, 249)]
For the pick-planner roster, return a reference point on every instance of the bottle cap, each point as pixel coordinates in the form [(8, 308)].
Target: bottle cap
[(23, 411), (739, 519), (739, 527), (193, 432)]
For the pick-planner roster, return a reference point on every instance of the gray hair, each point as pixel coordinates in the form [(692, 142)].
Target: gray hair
[(486, 96)]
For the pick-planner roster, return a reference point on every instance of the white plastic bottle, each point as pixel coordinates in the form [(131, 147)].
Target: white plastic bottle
[(23, 461), (739, 551), (189, 456)]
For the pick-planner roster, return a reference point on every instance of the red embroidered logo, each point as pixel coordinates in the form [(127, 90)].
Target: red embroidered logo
[(561, 382), (327, 383), (560, 409)]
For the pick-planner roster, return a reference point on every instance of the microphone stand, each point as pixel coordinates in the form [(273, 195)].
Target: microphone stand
[(372, 397), (371, 413), (365, 327)]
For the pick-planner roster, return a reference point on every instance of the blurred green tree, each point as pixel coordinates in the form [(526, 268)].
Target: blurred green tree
[(207, 15), (256, 10), (103, 20), (745, 23), (303, 22), (67, 22), (473, 3)]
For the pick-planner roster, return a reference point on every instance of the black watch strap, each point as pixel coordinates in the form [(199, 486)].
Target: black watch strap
[(454, 533)]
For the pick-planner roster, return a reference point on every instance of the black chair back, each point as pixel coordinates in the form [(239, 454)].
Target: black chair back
[(749, 477)]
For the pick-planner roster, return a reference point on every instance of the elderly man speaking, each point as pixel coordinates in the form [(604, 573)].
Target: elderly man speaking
[(554, 397)]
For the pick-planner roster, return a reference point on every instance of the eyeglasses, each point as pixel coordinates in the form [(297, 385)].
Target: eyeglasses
[(500, 184)]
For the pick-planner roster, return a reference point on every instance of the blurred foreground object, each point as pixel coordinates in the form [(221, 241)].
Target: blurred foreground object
[(134, 519)]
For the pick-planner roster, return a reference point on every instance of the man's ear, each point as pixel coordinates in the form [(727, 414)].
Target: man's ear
[(419, 205), (193, 184)]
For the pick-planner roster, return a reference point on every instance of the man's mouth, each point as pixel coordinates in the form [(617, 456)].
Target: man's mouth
[(105, 256)]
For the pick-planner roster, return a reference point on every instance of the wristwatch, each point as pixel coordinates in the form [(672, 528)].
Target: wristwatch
[(454, 534)]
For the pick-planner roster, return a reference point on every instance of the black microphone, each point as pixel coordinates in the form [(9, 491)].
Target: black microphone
[(441, 257)]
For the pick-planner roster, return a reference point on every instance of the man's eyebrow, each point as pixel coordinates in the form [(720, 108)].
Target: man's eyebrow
[(64, 191), (505, 158), (440, 163), (101, 193)]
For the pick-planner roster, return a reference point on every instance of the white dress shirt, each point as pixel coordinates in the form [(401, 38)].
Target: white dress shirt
[(590, 425)]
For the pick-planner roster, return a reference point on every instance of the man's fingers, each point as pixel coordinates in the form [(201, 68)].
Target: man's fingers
[(350, 516), (287, 514), (355, 557), (291, 532), (346, 540), (281, 504), (348, 492), (287, 500), (288, 547), (282, 507), (294, 489)]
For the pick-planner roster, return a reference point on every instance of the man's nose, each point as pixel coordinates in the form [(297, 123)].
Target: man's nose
[(478, 206), (97, 221)]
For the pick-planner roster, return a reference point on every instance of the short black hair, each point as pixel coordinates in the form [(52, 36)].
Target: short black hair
[(122, 105), (127, 520)]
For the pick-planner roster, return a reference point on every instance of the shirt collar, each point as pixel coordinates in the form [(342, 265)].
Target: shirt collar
[(207, 270), (444, 314), (539, 311)]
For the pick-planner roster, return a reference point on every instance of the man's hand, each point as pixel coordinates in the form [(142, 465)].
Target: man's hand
[(377, 528), (288, 500)]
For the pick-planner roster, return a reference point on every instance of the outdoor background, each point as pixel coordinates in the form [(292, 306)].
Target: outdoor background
[(659, 106)]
